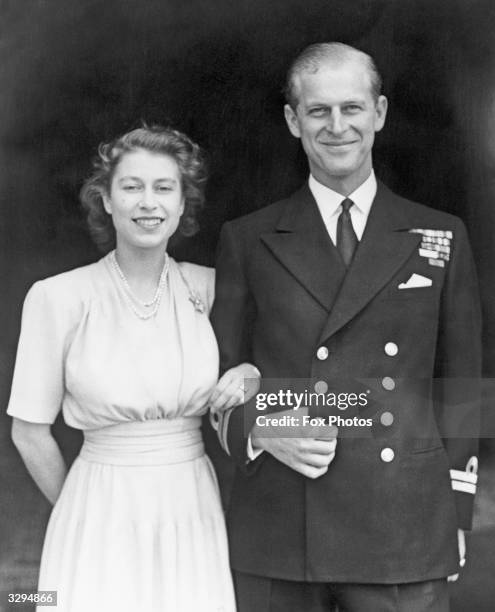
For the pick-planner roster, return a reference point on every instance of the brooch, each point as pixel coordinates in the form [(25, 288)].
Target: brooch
[(196, 302)]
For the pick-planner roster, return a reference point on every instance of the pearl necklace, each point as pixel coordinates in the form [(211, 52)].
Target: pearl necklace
[(129, 296)]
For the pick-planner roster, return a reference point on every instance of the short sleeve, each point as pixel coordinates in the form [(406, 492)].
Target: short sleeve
[(38, 382)]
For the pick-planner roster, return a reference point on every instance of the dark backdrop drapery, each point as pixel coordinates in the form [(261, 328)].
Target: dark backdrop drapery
[(75, 73)]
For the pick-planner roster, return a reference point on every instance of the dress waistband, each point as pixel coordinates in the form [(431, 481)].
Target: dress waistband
[(157, 442)]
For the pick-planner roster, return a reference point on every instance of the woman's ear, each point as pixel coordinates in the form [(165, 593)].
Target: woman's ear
[(106, 203)]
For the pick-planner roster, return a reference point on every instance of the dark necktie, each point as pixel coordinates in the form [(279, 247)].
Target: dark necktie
[(346, 236)]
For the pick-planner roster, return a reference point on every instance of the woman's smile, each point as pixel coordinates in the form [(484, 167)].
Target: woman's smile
[(149, 223)]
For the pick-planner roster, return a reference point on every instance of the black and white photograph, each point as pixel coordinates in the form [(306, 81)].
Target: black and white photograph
[(248, 305)]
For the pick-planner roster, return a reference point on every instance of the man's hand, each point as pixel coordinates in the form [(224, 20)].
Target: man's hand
[(309, 452), (461, 542)]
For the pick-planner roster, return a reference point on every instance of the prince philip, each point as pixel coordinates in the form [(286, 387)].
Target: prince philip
[(347, 280)]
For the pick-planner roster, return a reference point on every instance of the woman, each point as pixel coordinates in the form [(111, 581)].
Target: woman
[(125, 348)]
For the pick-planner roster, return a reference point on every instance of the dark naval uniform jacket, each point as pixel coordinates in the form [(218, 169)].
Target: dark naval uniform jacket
[(402, 322)]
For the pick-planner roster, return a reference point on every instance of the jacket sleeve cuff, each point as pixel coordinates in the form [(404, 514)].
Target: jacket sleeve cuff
[(220, 423), (251, 452)]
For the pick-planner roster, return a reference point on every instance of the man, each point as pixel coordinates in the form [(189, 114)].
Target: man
[(346, 281)]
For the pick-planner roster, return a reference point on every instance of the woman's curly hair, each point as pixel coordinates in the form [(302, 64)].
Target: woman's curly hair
[(156, 139)]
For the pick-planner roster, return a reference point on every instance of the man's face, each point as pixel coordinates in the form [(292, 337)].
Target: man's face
[(336, 119)]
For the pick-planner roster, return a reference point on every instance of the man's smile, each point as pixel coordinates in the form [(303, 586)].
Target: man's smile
[(337, 145)]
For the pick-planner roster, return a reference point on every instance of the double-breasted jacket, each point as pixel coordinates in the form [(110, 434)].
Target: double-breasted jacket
[(401, 323)]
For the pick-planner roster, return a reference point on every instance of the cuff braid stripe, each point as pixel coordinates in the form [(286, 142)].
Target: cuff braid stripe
[(464, 476), (465, 487)]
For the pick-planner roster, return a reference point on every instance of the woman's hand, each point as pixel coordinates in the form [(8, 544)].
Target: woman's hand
[(237, 386), (41, 455)]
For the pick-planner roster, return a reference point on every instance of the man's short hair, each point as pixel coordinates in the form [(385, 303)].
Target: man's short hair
[(311, 59)]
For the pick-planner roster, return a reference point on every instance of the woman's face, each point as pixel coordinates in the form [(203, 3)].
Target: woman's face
[(145, 199)]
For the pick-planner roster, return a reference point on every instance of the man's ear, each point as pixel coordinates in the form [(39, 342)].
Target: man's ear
[(292, 121), (380, 112)]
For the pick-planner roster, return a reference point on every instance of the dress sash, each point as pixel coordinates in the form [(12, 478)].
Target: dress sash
[(152, 442)]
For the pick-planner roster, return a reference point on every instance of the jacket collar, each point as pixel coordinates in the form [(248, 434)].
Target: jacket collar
[(385, 247), (301, 243)]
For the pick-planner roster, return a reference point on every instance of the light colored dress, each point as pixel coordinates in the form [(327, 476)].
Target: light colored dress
[(138, 526)]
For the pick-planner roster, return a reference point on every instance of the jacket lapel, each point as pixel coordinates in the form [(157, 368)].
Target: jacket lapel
[(301, 243), (383, 250)]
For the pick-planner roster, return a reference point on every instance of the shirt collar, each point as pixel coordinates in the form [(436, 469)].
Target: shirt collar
[(362, 197)]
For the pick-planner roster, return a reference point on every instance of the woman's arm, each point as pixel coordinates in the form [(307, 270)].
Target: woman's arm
[(41, 455)]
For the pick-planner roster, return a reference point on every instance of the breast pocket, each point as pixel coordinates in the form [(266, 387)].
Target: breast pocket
[(413, 293)]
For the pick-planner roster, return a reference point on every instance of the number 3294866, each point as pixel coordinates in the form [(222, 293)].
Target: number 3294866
[(42, 598)]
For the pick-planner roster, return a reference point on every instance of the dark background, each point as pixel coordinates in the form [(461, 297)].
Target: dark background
[(76, 72)]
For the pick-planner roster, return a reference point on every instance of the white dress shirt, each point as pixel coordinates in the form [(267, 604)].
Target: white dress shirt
[(330, 205)]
